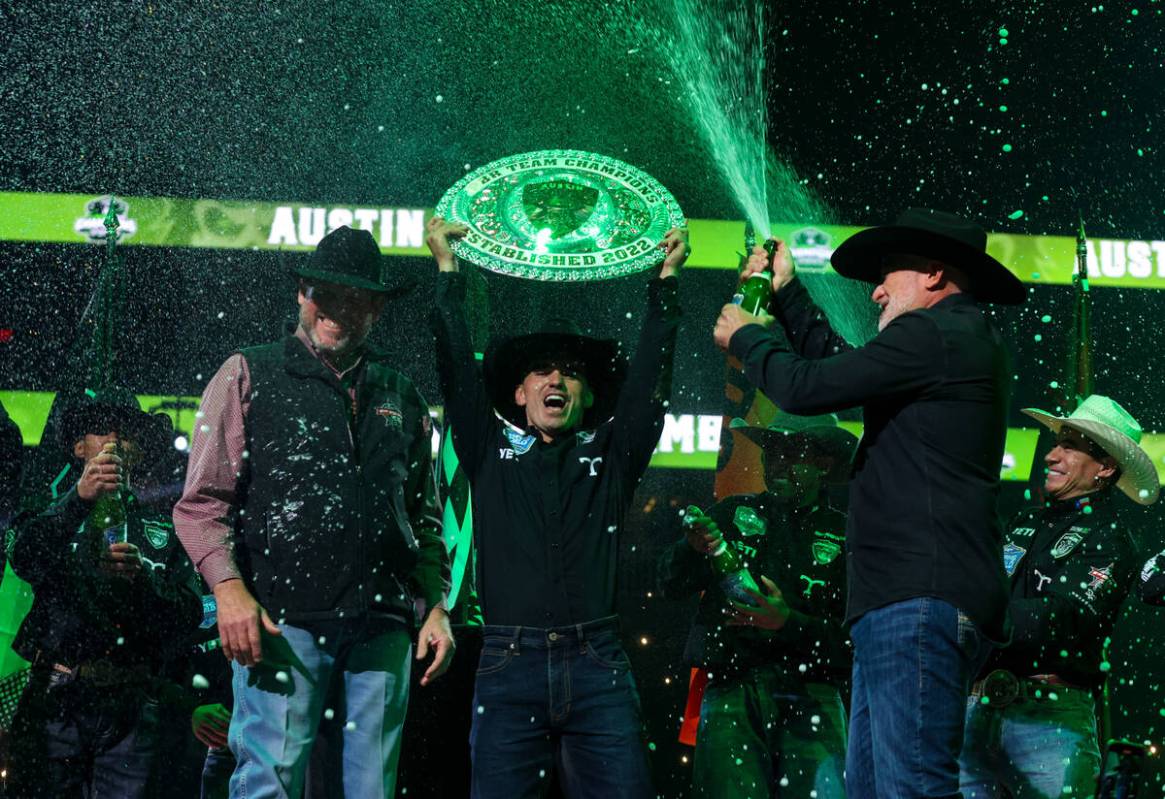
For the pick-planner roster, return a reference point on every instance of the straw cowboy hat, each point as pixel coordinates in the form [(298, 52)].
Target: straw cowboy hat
[(1115, 431)]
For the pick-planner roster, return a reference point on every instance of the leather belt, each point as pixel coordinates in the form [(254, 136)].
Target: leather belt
[(1001, 688), (99, 673)]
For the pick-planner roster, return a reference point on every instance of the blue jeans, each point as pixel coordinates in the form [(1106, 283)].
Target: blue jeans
[(216, 773), (560, 699), (913, 665), (1034, 748), (70, 739), (763, 735), (339, 680)]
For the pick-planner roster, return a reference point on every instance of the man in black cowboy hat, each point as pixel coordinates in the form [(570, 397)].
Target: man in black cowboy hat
[(553, 474), (114, 595), (310, 510), (926, 586), (772, 722), (1031, 726)]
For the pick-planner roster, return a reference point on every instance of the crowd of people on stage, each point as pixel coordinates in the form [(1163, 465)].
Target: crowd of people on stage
[(907, 645)]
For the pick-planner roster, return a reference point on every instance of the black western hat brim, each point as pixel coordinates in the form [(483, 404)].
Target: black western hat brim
[(860, 257), (507, 363)]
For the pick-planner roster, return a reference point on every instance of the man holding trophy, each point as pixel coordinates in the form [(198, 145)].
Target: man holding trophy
[(555, 434)]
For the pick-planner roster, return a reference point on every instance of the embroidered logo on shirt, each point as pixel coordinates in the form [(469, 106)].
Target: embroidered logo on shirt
[(1011, 556), (157, 533), (593, 464), (748, 522), (521, 442), (1099, 576), (1042, 580), (1023, 532), (825, 552), (1150, 568), (585, 436), (391, 415), (1067, 543), (810, 584)]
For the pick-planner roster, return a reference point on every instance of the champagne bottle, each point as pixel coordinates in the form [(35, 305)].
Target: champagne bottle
[(734, 577), (108, 514), (754, 295)]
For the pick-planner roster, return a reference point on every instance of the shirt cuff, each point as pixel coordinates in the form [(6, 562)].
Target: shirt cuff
[(217, 567)]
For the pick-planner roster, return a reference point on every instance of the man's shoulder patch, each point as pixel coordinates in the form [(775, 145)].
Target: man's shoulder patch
[(1011, 556)]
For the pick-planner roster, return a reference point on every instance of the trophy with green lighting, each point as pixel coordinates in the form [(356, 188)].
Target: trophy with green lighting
[(561, 215)]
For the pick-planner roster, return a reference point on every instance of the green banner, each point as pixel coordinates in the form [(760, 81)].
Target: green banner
[(266, 225)]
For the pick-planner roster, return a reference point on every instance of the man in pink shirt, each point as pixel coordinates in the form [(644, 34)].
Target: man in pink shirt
[(310, 510)]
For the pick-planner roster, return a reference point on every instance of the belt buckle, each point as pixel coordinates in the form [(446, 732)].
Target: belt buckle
[(1001, 688)]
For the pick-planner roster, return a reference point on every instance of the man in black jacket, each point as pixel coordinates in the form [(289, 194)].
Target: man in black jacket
[(310, 509), (1031, 721), (553, 474), (114, 599), (771, 721), (925, 579)]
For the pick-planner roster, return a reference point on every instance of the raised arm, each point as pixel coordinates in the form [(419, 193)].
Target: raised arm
[(467, 407), (647, 390), (906, 356), (805, 325)]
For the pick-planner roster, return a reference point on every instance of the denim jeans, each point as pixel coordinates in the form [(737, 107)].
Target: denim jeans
[(557, 700), (340, 680), (72, 740), (1033, 748), (216, 773), (763, 735), (913, 665)]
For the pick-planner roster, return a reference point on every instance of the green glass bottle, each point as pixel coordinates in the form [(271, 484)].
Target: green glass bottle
[(108, 516), (754, 295), (734, 578)]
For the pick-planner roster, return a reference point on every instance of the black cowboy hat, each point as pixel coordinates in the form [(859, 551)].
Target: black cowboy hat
[(508, 361), (114, 408), (351, 258), (931, 234), (793, 434)]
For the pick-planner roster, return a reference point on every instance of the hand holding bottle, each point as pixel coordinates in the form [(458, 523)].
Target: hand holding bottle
[(768, 610), (102, 474)]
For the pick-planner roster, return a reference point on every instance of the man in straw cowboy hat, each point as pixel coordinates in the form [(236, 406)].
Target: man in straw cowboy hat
[(772, 722), (1031, 721), (553, 474), (926, 586), (310, 510)]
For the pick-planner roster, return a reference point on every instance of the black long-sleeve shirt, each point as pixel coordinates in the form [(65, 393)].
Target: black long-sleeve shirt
[(799, 549), (933, 386), (79, 614), (547, 517), (1072, 564)]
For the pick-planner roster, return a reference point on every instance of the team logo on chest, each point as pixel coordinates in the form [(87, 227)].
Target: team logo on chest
[(1068, 542), (391, 414), (157, 533)]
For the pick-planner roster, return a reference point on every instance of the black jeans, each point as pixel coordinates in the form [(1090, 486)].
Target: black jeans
[(70, 739)]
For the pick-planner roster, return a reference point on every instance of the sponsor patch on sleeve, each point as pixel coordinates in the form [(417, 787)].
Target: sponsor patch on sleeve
[(1011, 556)]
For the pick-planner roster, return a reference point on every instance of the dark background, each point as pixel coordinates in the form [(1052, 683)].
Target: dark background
[(336, 103)]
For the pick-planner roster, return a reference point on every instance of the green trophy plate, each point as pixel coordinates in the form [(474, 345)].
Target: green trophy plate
[(561, 215)]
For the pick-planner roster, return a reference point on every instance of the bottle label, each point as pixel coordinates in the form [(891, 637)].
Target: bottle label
[(116, 534), (737, 586)]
